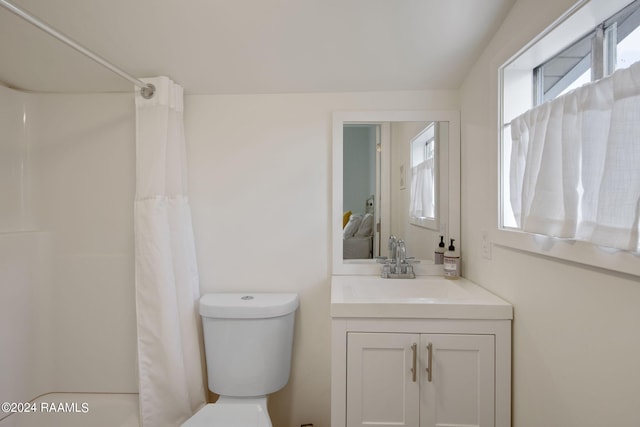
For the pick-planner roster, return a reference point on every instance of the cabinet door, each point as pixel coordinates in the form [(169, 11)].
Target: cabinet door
[(460, 391), (381, 389)]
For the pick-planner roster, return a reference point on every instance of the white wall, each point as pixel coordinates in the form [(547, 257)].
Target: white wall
[(260, 190), (575, 336)]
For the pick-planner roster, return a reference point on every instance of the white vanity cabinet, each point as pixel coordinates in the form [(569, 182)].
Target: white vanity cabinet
[(426, 380), (441, 358)]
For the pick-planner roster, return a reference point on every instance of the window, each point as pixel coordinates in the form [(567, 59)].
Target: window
[(422, 203), (612, 45), (574, 51)]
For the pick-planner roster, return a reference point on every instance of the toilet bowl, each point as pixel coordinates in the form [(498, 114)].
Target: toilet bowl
[(230, 412), (248, 341)]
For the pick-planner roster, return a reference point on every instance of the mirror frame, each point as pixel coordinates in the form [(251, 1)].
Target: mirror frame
[(367, 266)]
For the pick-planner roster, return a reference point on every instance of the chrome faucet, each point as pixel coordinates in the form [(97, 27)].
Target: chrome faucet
[(398, 265)]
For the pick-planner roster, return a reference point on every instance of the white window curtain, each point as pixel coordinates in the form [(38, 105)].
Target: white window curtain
[(422, 197), (575, 164), (166, 276)]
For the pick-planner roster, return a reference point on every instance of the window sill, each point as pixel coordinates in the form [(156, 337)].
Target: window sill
[(570, 250), (424, 222)]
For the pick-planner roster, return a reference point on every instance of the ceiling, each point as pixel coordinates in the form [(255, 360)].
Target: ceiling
[(250, 46)]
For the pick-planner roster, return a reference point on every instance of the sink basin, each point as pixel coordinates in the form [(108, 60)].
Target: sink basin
[(364, 288), (423, 297)]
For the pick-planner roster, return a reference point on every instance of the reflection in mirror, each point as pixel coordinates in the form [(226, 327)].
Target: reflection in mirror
[(419, 209), (361, 190), (413, 150), (423, 173), (392, 175)]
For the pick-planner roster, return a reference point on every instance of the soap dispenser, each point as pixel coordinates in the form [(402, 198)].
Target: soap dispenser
[(452, 262), (438, 256)]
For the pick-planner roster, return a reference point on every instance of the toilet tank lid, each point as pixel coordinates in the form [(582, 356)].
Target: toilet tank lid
[(247, 305)]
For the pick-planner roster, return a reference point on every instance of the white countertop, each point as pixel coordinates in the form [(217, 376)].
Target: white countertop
[(425, 297)]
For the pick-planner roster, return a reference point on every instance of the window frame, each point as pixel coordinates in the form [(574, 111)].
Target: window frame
[(515, 91)]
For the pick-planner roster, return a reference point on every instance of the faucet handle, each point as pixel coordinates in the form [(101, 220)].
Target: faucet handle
[(386, 270), (410, 271)]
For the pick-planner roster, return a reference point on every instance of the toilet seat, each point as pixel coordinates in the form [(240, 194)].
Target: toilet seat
[(230, 415)]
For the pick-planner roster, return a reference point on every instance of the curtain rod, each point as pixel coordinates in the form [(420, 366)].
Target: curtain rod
[(146, 91)]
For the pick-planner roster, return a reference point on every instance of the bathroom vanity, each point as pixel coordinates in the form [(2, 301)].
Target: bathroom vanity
[(422, 352), (412, 352)]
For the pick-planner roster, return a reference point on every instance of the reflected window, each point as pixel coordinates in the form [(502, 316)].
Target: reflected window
[(422, 204)]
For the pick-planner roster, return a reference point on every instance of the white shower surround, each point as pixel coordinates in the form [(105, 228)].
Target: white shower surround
[(66, 244)]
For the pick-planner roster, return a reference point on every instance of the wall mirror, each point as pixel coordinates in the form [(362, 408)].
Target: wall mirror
[(376, 158)]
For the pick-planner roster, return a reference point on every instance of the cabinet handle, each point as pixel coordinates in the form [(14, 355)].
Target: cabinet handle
[(414, 350), (429, 361)]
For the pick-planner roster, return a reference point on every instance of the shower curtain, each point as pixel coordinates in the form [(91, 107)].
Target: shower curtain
[(166, 276)]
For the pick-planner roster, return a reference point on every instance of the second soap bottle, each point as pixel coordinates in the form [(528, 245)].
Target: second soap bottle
[(451, 262)]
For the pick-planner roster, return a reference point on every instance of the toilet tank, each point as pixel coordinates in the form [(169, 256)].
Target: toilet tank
[(248, 341)]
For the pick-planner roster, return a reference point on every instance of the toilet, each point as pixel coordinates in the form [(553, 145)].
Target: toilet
[(248, 340)]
